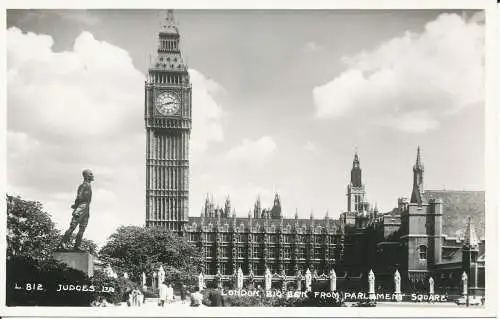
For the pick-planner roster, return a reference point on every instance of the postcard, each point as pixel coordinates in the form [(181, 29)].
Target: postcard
[(170, 160)]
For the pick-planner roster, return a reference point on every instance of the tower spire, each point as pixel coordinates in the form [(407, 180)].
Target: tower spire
[(418, 180), (356, 171), (418, 162), (168, 24), (471, 241)]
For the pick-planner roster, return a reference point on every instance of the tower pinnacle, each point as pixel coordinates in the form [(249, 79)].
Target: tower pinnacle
[(418, 180), (168, 25), (418, 162), (356, 171)]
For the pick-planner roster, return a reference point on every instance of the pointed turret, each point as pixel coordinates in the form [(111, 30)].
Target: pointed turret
[(276, 210), (418, 180), (470, 238), (169, 57), (206, 207), (356, 171), (257, 211), (227, 207)]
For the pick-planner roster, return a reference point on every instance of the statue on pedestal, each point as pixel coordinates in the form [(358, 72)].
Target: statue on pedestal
[(464, 284), (308, 279), (201, 282), (161, 276), (80, 216), (143, 281), (298, 279), (154, 281), (251, 279), (283, 279), (333, 280), (397, 285), (267, 279), (371, 285), (239, 281), (431, 286), (218, 279)]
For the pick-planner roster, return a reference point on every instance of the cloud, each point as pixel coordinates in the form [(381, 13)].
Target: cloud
[(252, 151), (207, 113), (84, 108), (92, 90), (410, 83), (84, 17), (312, 47)]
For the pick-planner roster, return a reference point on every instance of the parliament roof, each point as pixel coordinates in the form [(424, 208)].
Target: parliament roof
[(457, 207)]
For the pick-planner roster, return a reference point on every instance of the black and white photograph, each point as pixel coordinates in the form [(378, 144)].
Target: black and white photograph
[(163, 159)]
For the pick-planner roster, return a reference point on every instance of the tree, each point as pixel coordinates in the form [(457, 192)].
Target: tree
[(31, 231), (135, 250)]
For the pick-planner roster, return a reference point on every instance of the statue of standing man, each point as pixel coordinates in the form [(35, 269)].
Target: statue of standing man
[(80, 211)]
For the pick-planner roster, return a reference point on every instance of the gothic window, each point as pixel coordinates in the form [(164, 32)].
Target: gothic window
[(193, 236), (225, 269), (224, 252), (286, 252), (227, 238), (317, 253), (206, 251), (286, 238), (240, 252), (357, 203), (302, 253), (257, 253), (274, 238), (423, 252)]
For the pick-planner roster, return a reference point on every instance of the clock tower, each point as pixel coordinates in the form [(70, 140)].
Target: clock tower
[(167, 115)]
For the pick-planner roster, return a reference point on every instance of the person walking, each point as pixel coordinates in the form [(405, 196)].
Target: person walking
[(163, 294), (171, 293), (196, 298), (183, 293)]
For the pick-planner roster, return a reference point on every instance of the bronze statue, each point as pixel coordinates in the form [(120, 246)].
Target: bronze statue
[(80, 211)]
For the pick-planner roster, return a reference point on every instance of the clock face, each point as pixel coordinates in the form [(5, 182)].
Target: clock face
[(167, 103)]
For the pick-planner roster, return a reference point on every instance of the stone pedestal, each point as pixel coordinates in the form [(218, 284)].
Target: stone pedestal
[(82, 261)]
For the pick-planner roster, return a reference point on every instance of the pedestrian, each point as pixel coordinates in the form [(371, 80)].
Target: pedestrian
[(183, 293), (168, 295), (196, 298), (163, 294), (171, 293)]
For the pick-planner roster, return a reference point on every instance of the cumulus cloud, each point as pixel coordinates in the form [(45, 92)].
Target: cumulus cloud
[(252, 151), (411, 82), (207, 113), (84, 108)]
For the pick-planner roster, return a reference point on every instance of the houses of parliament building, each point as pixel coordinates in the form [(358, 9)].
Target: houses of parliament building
[(427, 234)]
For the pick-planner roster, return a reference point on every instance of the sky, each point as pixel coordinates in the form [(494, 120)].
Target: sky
[(281, 101)]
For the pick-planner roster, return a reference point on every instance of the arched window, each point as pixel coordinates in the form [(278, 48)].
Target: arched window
[(423, 252)]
